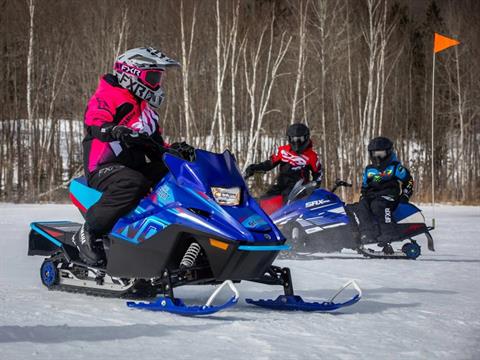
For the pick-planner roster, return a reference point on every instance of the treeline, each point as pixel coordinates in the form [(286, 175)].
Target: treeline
[(351, 70)]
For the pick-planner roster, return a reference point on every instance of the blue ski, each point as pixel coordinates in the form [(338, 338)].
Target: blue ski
[(296, 303)]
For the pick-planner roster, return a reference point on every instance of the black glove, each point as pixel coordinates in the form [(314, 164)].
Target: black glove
[(317, 177), (119, 132), (250, 170), (363, 192), (185, 150), (404, 199)]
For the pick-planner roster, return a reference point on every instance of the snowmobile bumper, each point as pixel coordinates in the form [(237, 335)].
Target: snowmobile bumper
[(246, 261)]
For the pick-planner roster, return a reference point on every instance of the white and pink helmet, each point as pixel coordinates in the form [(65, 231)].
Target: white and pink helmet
[(141, 71)]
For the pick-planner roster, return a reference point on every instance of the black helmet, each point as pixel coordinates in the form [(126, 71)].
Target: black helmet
[(298, 137), (380, 150)]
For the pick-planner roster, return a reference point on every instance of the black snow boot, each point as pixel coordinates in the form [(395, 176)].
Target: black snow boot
[(388, 249), (367, 237), (84, 239), (388, 233)]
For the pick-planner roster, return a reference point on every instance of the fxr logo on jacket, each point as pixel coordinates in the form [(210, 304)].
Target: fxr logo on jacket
[(297, 161)]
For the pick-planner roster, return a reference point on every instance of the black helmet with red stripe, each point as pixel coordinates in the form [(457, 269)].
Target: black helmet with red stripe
[(298, 137)]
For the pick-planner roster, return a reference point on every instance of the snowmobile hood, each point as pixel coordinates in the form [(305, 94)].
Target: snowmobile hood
[(185, 197)]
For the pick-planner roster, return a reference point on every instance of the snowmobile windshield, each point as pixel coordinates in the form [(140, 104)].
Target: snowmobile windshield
[(301, 190), (207, 171)]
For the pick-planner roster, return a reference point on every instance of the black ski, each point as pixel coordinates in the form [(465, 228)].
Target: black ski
[(409, 251)]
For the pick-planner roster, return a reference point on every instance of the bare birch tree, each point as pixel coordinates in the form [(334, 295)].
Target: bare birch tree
[(186, 58), (326, 15), (234, 64), (31, 10), (222, 53), (302, 57), (260, 91)]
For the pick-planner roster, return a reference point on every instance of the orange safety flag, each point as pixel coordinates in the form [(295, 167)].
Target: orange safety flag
[(442, 42)]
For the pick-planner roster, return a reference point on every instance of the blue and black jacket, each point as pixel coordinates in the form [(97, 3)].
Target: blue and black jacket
[(392, 179)]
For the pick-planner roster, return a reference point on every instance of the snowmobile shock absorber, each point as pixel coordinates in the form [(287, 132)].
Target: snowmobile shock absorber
[(190, 255)]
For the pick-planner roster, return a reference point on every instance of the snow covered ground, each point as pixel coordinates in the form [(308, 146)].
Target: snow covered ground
[(423, 309)]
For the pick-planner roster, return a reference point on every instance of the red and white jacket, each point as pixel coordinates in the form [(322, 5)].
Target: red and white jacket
[(293, 166)]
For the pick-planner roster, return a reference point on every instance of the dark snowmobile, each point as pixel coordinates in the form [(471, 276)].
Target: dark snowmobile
[(199, 225), (316, 220)]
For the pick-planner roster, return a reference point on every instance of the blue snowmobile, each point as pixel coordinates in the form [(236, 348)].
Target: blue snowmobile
[(317, 220), (199, 225)]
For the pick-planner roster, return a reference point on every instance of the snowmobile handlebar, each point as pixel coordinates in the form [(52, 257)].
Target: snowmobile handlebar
[(181, 150), (339, 183), (138, 138), (248, 176)]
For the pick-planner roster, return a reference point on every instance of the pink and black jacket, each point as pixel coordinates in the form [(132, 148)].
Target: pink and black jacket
[(109, 106)]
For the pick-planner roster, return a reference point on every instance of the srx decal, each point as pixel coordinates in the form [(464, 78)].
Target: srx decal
[(316, 203)]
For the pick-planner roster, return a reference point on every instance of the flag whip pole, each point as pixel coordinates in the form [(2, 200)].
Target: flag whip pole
[(440, 43), (433, 139)]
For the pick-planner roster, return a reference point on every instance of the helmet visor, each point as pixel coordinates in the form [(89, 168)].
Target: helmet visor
[(379, 154), (298, 139), (152, 78)]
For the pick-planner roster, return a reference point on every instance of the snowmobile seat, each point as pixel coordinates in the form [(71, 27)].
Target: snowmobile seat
[(404, 213), (271, 204), (83, 196), (407, 213)]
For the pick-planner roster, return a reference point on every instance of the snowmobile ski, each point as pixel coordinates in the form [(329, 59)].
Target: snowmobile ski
[(296, 303), (177, 306), (409, 251)]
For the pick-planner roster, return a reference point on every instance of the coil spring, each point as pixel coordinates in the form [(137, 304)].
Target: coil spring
[(190, 255)]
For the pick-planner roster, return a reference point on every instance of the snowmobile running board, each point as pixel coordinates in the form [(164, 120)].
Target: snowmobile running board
[(296, 303), (373, 254), (177, 306)]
